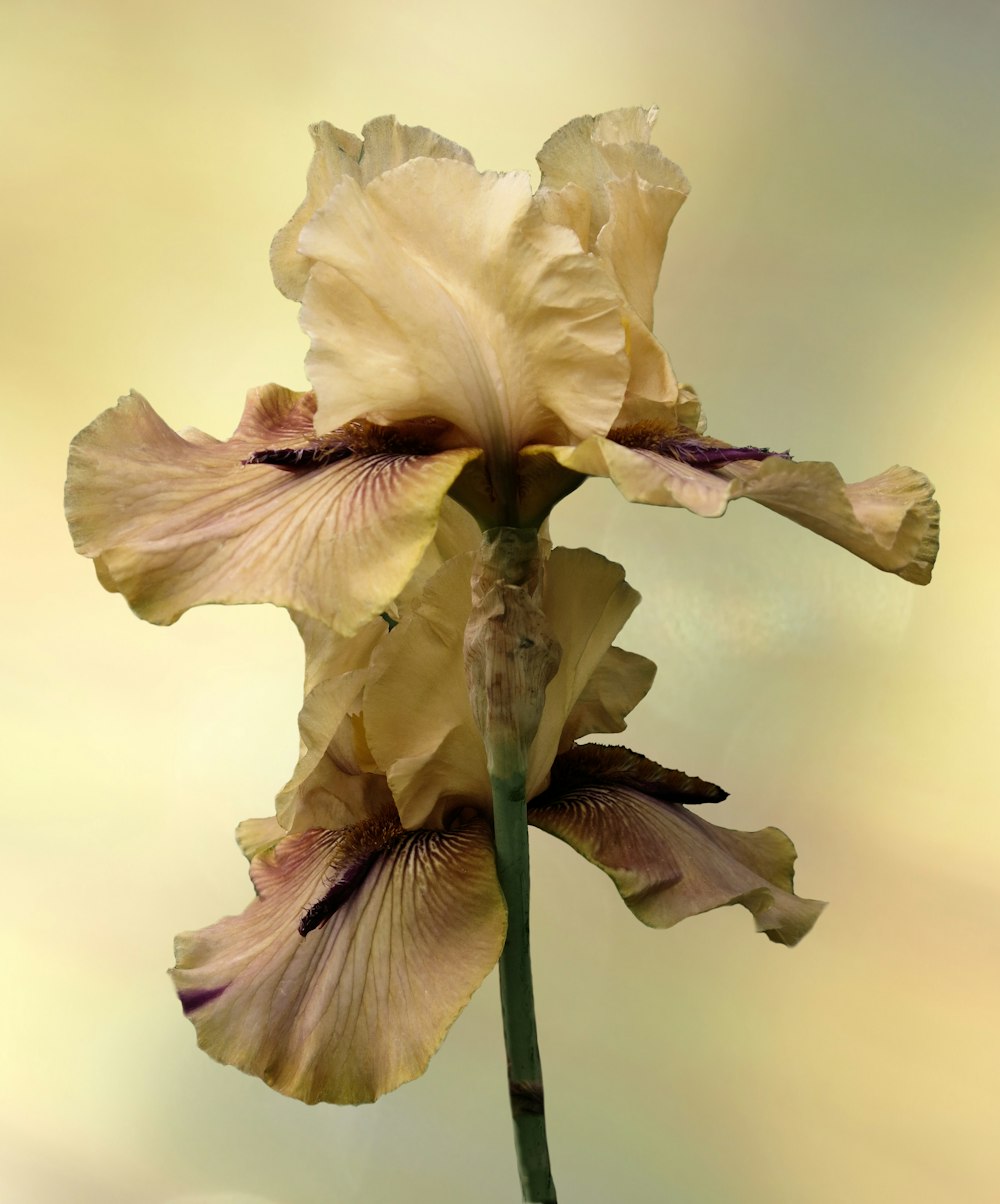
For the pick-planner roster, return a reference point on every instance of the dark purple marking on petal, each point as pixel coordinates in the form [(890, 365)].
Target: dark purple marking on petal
[(197, 997), (348, 878), (691, 451), (686, 446), (301, 459)]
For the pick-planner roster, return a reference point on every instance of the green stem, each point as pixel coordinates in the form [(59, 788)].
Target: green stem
[(510, 657), (524, 1065)]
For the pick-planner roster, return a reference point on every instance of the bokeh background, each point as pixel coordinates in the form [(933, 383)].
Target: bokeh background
[(831, 286)]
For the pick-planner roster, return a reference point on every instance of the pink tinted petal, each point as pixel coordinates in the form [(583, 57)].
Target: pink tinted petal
[(667, 862), (356, 1006), (174, 522)]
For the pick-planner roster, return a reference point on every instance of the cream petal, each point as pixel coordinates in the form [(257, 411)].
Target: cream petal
[(328, 655), (418, 718), (634, 238), (387, 144), (335, 156), (174, 523), (256, 836), (358, 1005), (619, 683), (890, 520), (442, 291), (587, 602), (592, 151), (332, 787), (646, 476), (619, 195), (667, 862)]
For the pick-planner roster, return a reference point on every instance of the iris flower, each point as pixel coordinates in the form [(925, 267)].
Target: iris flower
[(468, 337), (378, 911)]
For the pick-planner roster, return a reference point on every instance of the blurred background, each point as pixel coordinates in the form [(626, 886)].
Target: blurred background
[(831, 286)]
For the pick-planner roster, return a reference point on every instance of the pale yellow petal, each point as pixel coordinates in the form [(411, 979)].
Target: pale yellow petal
[(256, 836), (593, 151), (331, 786), (587, 602), (387, 144), (619, 683), (358, 1005), (442, 291), (634, 238), (328, 655), (335, 156), (890, 520), (647, 476), (175, 523), (667, 862), (418, 718)]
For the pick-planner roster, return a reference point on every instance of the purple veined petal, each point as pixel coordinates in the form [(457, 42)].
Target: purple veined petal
[(174, 522), (667, 862), (342, 978)]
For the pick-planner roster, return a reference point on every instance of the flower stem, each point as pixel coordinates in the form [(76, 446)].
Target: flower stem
[(510, 657), (524, 1065)]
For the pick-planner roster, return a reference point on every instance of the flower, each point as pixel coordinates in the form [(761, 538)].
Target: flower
[(378, 911), (467, 337)]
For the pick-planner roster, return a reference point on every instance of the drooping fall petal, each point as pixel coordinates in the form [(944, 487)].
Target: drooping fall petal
[(625, 814), (890, 520), (440, 290), (174, 522), (400, 930)]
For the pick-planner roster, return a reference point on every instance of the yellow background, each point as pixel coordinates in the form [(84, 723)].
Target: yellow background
[(830, 286)]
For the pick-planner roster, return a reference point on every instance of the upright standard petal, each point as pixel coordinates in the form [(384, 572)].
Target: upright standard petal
[(342, 978), (603, 179), (626, 815), (174, 522), (441, 291), (383, 144)]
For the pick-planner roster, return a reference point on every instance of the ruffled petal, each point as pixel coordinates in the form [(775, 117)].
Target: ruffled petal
[(418, 718), (890, 520), (333, 785), (387, 144), (417, 715), (619, 683), (335, 156), (667, 862), (587, 602), (383, 144), (602, 179), (590, 152), (441, 291), (646, 476), (397, 939), (175, 522)]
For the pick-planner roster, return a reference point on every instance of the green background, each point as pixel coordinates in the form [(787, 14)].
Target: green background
[(831, 287)]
